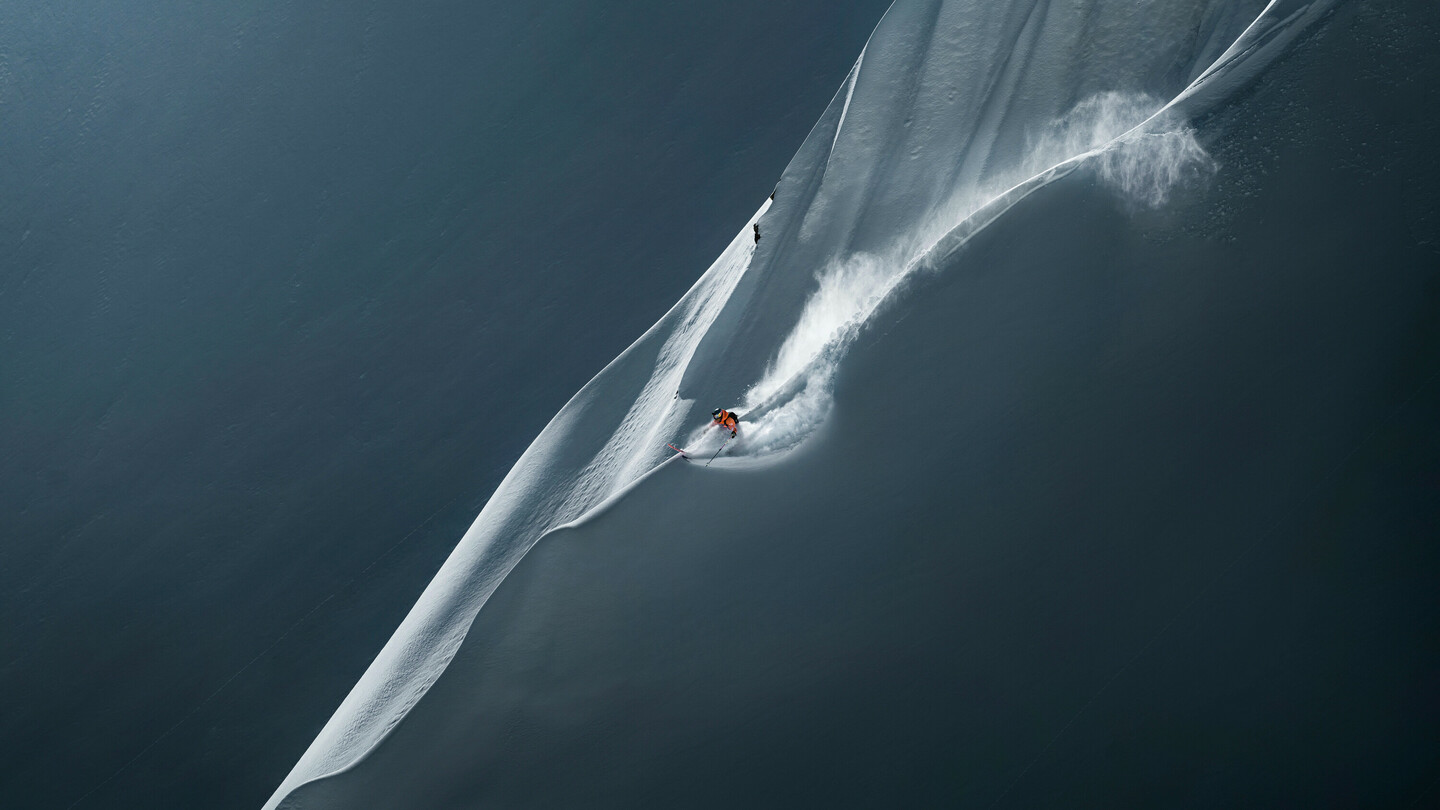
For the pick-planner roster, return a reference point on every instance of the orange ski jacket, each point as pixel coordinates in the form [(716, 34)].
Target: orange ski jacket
[(727, 419)]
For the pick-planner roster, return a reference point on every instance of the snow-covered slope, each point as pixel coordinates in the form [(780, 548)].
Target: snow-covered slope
[(911, 295)]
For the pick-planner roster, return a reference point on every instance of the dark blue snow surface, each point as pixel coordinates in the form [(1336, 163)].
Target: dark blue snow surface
[(1119, 509), (285, 289)]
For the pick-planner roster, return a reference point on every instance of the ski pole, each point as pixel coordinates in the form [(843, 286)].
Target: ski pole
[(717, 452)]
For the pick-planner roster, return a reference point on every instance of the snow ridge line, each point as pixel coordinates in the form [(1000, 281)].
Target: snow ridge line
[(427, 640)]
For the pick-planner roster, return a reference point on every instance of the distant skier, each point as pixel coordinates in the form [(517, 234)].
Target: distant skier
[(726, 419), (756, 226)]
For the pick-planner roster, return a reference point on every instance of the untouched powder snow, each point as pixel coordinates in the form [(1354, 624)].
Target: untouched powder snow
[(954, 113)]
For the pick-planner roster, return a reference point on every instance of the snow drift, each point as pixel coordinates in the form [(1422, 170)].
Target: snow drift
[(954, 115)]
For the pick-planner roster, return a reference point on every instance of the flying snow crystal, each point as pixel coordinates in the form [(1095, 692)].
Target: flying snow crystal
[(1140, 150), (793, 396), (1146, 166)]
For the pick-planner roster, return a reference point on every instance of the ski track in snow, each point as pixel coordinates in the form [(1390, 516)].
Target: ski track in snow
[(963, 110)]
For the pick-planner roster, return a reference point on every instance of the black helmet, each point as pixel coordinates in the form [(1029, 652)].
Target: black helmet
[(716, 413)]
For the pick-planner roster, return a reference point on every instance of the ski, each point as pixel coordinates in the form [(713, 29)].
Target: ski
[(678, 450)]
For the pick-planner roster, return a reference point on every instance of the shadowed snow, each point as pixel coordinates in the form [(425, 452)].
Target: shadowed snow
[(957, 112)]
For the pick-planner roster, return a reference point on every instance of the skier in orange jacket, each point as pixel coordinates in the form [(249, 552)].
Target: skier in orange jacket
[(726, 419)]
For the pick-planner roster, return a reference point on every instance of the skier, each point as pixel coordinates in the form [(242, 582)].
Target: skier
[(726, 419)]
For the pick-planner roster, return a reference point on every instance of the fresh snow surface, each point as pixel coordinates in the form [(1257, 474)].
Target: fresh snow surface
[(954, 113)]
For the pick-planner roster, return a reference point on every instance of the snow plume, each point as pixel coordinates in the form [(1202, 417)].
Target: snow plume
[(1140, 150), (1146, 166), (848, 290), (793, 396)]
